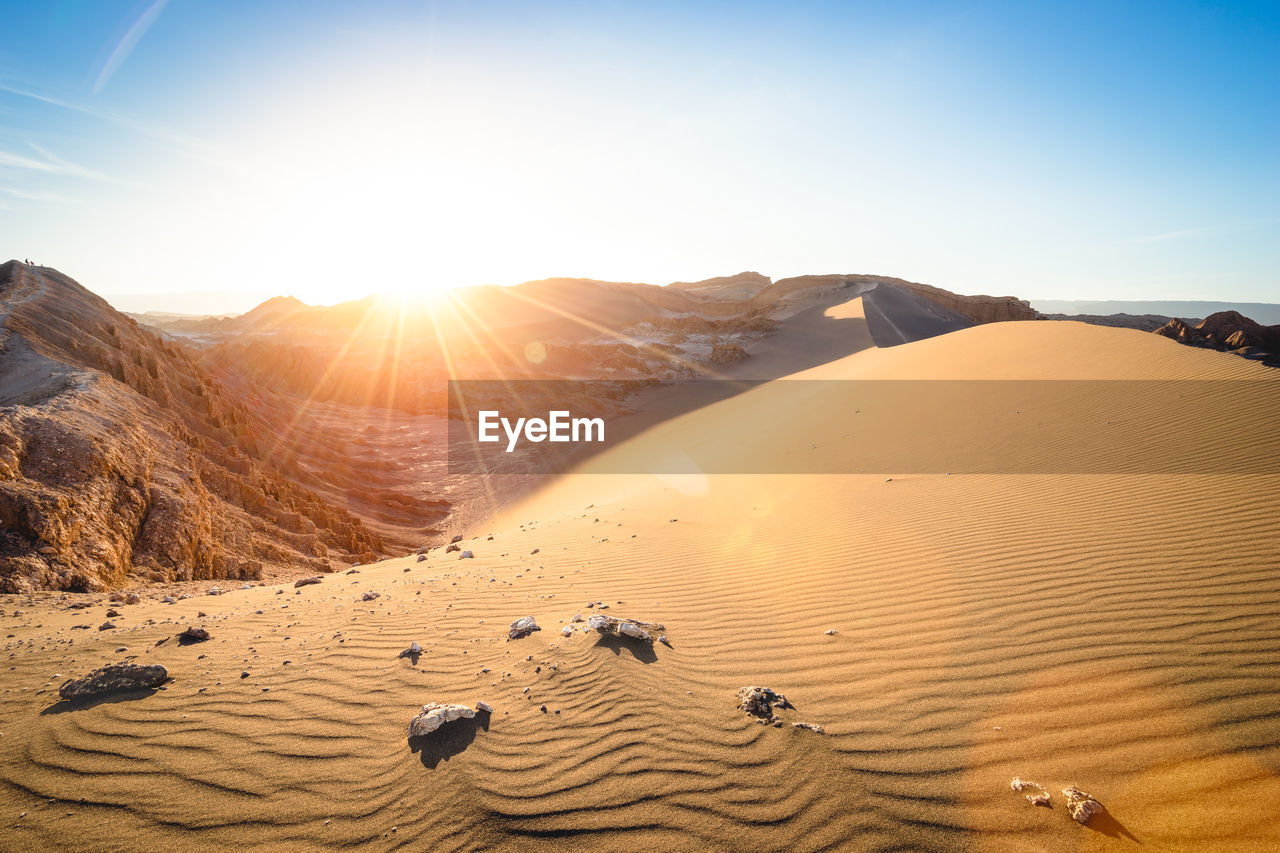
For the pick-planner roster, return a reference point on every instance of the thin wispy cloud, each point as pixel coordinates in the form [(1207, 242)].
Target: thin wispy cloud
[(1199, 231), (54, 166), (127, 43), (30, 195), (193, 145)]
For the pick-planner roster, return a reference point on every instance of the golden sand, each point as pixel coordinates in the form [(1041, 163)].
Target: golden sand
[(1116, 632)]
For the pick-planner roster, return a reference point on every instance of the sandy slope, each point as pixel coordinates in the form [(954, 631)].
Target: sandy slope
[(1116, 632)]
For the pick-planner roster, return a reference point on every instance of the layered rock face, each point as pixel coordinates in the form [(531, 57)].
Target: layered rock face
[(120, 457), (979, 309)]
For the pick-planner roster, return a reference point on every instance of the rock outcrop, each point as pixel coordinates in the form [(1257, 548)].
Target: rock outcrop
[(979, 309), (1228, 330), (121, 457), (727, 354)]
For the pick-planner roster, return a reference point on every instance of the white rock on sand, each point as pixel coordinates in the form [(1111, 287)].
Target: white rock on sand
[(522, 627), (633, 628), (434, 715), (1081, 805)]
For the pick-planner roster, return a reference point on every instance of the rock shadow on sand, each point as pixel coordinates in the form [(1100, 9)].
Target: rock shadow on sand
[(640, 649), (448, 740), (64, 705), (1107, 824)]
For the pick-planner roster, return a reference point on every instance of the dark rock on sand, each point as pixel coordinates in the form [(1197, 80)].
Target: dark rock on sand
[(115, 678), (193, 635)]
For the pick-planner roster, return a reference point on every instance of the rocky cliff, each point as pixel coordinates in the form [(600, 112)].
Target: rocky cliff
[(121, 457), (1228, 330)]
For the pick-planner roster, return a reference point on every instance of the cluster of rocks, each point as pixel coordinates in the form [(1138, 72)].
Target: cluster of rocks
[(1228, 330), (1080, 806), (1038, 796), (759, 702)]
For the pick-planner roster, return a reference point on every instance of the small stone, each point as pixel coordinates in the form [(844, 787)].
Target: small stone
[(413, 651), (434, 715), (451, 549), (106, 626), (633, 628), (522, 627), (306, 581), (456, 539), (831, 632), (112, 613), (131, 598), (369, 596), (466, 555), (1082, 806), (1038, 796), (193, 635), (759, 702), (813, 727), (244, 674), (421, 557), (544, 709)]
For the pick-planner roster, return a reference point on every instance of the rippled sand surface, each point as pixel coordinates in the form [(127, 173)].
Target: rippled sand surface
[(1116, 632)]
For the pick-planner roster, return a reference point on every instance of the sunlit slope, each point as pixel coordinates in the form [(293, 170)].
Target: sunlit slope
[(1120, 633), (1115, 632)]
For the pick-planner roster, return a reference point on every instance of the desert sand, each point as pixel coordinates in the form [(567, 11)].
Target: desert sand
[(948, 633)]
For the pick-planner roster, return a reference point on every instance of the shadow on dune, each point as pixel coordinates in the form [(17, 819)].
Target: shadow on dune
[(1107, 824), (448, 740), (639, 649), (66, 705)]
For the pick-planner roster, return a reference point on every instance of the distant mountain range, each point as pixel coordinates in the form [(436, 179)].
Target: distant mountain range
[(1266, 313)]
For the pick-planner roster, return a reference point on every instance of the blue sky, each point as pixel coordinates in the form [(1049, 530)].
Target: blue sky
[(245, 149)]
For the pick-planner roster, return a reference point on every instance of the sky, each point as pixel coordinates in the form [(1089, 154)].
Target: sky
[(209, 154)]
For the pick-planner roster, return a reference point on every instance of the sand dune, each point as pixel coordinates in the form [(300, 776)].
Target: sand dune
[(1114, 632)]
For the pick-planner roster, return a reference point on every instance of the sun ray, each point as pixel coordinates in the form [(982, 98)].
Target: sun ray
[(283, 442), (485, 477)]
